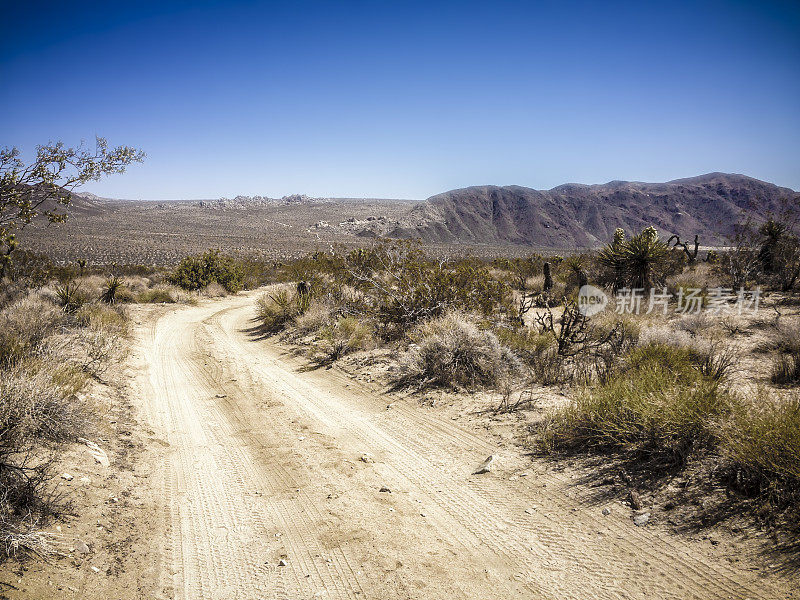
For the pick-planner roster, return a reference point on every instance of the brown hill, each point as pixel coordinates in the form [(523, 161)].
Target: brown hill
[(575, 215)]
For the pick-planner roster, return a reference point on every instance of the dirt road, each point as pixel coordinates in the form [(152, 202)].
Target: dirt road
[(272, 489)]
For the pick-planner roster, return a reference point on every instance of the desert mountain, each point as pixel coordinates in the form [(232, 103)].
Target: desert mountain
[(575, 215)]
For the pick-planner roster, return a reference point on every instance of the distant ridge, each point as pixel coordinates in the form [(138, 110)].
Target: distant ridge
[(577, 215)]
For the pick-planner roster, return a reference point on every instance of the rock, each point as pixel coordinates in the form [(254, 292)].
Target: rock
[(606, 511), (386, 490), (641, 520), (67, 477), (96, 451), (486, 466), (95, 569), (634, 500), (81, 547), (282, 563)]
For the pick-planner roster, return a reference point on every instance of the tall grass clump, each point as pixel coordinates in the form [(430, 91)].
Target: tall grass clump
[(661, 405), (763, 444)]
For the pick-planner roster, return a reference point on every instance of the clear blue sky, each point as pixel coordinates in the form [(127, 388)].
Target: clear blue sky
[(406, 99)]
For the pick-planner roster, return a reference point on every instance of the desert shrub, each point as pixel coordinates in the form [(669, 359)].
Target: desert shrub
[(403, 286), (694, 324), (276, 310), (661, 405), (763, 443), (199, 271), (452, 351), (713, 358), (345, 335), (783, 337), (98, 316), (318, 315), (23, 326), (537, 352), (214, 290), (156, 295)]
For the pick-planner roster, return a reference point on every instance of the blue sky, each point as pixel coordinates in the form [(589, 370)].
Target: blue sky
[(406, 99)]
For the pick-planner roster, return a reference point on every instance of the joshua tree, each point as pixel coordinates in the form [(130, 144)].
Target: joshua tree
[(690, 254)]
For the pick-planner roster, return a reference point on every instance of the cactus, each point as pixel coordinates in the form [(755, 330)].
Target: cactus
[(548, 277)]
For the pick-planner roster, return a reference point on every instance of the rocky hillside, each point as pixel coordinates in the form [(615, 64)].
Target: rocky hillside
[(574, 215)]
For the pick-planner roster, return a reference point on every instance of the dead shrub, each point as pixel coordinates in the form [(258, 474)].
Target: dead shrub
[(37, 416), (24, 324), (318, 315)]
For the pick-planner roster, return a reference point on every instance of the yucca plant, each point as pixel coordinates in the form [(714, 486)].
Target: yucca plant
[(638, 262), (70, 296), (110, 289)]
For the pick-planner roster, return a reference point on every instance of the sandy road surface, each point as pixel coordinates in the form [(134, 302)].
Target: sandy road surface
[(264, 465)]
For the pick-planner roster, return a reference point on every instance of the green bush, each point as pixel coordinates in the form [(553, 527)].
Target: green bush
[(197, 272), (345, 335)]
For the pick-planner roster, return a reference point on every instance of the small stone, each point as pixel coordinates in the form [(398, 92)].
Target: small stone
[(67, 477), (386, 490), (422, 515), (641, 520), (222, 396), (95, 569), (606, 511), (282, 563), (366, 458), (486, 466), (81, 547)]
